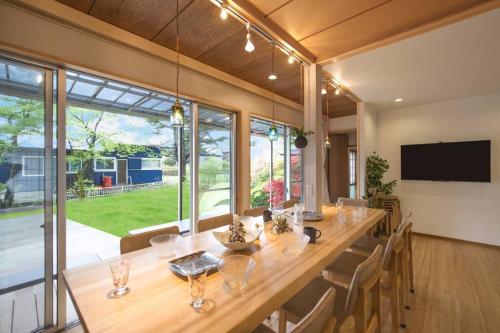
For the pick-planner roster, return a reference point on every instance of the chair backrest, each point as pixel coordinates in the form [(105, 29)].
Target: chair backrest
[(257, 211), (366, 271), (290, 203), (141, 241), (395, 242), (354, 202), (214, 222), (318, 318)]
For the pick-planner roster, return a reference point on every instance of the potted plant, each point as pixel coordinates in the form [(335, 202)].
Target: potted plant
[(300, 136), (376, 167)]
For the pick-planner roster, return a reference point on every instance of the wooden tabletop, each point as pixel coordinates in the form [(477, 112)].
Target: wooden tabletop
[(159, 301)]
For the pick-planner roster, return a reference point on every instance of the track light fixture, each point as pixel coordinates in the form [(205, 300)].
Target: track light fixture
[(291, 60), (249, 47), (223, 11), (337, 91), (323, 91)]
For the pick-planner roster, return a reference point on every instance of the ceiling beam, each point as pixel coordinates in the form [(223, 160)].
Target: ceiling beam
[(256, 17)]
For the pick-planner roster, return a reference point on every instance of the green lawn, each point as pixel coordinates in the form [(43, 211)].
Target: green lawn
[(119, 213)]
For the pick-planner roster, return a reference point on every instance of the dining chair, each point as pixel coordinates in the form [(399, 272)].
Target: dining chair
[(408, 259), (354, 202), (392, 277), (214, 222), (254, 212), (290, 203), (140, 241), (319, 319), (359, 301), (366, 244)]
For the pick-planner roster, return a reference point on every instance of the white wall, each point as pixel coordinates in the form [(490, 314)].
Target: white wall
[(468, 211), (342, 124)]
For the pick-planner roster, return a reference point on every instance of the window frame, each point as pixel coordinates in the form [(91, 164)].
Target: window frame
[(70, 170), (105, 158), (160, 168), (23, 164)]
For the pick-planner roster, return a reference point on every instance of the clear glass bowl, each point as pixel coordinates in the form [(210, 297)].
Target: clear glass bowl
[(236, 270), (164, 245), (294, 243)]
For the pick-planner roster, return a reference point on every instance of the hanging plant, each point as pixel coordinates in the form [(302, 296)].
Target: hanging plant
[(300, 136)]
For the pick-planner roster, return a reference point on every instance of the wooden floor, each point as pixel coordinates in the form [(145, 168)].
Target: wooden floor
[(457, 289)]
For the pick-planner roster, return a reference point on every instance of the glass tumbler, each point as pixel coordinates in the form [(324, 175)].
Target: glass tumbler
[(119, 272)]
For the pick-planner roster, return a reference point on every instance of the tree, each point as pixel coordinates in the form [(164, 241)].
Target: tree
[(21, 117), (89, 140)]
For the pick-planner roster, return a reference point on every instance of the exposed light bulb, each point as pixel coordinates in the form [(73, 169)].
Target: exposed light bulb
[(397, 100), (337, 91), (223, 12), (249, 47), (323, 91), (39, 78), (290, 59), (272, 77), (328, 144)]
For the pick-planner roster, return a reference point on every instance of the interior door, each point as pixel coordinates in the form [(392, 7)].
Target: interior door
[(27, 192)]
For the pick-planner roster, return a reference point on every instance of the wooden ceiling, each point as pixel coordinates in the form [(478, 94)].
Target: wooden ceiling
[(338, 105), (334, 27), (203, 36), (327, 28)]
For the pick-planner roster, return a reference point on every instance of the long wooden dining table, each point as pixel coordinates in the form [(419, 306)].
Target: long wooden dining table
[(159, 301)]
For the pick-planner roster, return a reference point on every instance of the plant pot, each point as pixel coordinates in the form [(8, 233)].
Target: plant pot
[(300, 141)]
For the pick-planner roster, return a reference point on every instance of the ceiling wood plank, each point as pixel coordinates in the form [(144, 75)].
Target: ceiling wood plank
[(201, 29), (81, 5), (382, 22), (144, 18), (326, 14), (258, 18), (268, 6)]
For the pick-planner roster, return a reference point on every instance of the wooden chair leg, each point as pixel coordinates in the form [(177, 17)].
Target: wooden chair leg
[(376, 306), (282, 321), (393, 294), (401, 302), (410, 272)]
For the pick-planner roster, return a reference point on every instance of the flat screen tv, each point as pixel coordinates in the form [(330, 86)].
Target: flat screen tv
[(468, 161)]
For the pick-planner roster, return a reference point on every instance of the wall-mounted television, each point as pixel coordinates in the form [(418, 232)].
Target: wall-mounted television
[(468, 161)]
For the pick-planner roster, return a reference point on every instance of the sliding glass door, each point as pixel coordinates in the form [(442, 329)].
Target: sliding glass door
[(215, 151), (275, 166), (27, 197)]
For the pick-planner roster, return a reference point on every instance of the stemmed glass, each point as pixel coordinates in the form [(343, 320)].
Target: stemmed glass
[(197, 278), (119, 271)]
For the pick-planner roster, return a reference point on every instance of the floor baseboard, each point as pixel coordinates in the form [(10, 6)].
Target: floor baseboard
[(463, 241)]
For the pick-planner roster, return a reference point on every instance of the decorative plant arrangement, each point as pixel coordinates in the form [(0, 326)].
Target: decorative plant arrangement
[(376, 167), (279, 224), (237, 231), (300, 136)]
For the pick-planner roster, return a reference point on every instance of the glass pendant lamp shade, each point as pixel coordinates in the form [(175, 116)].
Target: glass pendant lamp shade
[(273, 133), (177, 116)]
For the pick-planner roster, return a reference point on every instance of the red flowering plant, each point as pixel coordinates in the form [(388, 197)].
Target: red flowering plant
[(276, 189)]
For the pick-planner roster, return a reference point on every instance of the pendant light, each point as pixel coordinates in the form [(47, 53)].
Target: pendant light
[(177, 116), (249, 47), (273, 131), (328, 144)]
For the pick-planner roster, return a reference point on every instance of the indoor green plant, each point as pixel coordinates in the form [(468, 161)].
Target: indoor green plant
[(300, 136), (376, 167)]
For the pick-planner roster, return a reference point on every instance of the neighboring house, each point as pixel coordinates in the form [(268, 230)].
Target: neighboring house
[(138, 168)]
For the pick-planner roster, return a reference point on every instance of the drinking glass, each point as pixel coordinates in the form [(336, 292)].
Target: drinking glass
[(299, 213), (340, 211), (165, 245), (235, 270), (197, 278), (119, 272)]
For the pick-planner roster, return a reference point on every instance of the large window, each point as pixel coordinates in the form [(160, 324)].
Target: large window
[(215, 162), (275, 167)]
